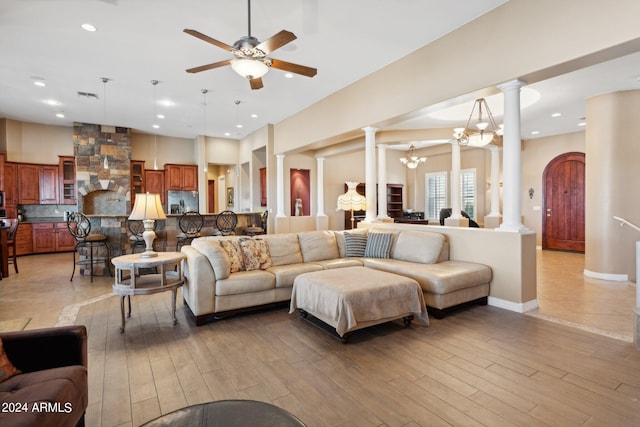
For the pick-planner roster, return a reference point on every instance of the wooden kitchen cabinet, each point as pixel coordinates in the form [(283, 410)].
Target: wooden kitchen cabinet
[(24, 239), (181, 177), (28, 184), (137, 179), (67, 180), (52, 237), (48, 184), (154, 181), (11, 189)]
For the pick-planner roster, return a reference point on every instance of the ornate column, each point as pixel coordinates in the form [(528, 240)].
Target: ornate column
[(456, 219), (512, 159), (382, 182), (370, 172), (493, 219), (280, 185)]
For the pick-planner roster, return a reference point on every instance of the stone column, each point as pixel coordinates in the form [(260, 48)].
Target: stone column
[(280, 185), (370, 172), (512, 160), (493, 219), (456, 219), (382, 183)]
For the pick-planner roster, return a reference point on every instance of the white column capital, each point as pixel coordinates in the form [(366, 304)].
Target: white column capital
[(281, 156), (370, 129), (512, 85)]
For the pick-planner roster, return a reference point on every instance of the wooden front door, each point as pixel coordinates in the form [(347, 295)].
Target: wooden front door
[(563, 204)]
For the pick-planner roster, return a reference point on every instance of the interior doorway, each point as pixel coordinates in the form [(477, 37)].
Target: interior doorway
[(211, 196), (563, 204)]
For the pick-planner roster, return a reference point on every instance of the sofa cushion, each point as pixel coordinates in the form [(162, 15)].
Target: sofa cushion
[(244, 282), (328, 264), (355, 243), (283, 248), (342, 248), (318, 245), (217, 256), (418, 246), (7, 370), (378, 245), (440, 278), (234, 252), (285, 274), (255, 254)]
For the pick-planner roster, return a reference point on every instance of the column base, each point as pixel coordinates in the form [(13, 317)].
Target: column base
[(456, 222)]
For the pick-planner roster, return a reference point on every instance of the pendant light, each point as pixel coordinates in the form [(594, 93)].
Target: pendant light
[(105, 80), (238, 125)]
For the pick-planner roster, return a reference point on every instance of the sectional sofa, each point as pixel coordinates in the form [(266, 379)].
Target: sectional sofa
[(225, 275)]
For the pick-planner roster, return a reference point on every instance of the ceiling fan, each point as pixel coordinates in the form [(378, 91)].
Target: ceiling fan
[(250, 55)]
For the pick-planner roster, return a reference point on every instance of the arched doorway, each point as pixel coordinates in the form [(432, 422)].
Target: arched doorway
[(563, 204)]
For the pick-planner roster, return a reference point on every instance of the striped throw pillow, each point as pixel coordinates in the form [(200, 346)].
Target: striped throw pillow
[(355, 244), (378, 245)]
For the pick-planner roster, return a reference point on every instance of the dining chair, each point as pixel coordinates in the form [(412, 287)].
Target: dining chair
[(11, 242)]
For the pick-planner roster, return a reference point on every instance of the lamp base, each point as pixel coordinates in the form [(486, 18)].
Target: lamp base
[(148, 254), (148, 236)]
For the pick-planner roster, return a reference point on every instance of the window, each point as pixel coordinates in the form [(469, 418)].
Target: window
[(436, 193), (468, 192)]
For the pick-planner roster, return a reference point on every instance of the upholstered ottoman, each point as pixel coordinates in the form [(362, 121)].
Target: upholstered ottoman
[(353, 298)]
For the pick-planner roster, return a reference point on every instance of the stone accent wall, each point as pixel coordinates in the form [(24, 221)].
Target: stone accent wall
[(93, 143)]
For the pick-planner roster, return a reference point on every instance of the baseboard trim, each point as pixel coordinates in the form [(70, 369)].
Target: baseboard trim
[(513, 306), (606, 276)]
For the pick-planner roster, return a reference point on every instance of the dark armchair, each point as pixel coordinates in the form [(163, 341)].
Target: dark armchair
[(53, 362)]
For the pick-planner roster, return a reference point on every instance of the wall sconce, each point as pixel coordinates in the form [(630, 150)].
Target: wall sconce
[(531, 191), (489, 184)]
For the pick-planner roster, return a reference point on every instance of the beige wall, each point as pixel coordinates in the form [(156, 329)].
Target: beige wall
[(35, 143), (612, 177), (166, 149)]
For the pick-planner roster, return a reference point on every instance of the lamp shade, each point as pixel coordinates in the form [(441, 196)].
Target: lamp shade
[(352, 200), (147, 206), (249, 68)]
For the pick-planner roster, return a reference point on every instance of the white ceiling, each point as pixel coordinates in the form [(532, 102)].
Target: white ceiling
[(142, 40)]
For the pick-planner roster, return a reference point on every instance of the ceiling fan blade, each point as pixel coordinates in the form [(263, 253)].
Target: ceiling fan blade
[(256, 83), (276, 41), (294, 68), (208, 39), (209, 66)]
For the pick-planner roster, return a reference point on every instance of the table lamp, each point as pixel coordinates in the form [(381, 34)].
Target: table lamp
[(352, 200), (148, 209)]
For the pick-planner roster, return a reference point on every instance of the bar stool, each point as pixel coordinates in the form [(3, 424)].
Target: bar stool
[(190, 224), (226, 222), (80, 228), (11, 242)]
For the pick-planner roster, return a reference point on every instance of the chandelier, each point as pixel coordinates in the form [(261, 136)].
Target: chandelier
[(486, 129), (411, 160)]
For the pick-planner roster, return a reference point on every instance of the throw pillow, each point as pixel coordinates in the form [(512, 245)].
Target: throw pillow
[(255, 254), (378, 245), (7, 370), (355, 243), (232, 248)]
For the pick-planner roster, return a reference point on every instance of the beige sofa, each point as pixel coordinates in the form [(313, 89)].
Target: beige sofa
[(212, 291)]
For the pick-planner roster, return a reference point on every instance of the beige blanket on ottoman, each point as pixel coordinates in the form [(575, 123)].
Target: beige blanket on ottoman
[(354, 297)]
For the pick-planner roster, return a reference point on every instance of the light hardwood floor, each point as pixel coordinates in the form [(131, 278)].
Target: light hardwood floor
[(480, 366)]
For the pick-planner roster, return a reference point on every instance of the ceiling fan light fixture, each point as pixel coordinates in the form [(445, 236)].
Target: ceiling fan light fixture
[(249, 68)]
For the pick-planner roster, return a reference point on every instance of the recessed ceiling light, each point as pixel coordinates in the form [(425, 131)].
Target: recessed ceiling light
[(160, 116), (288, 75), (582, 124), (51, 102), (60, 115), (88, 27), (239, 126), (227, 134), (556, 115), (166, 102), (535, 132), (156, 126), (40, 83), (254, 116)]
